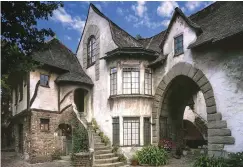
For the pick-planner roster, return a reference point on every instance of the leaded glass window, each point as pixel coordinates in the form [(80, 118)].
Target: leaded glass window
[(113, 81), (116, 131), (178, 44), (147, 131), (91, 51), (148, 82), (131, 131), (44, 80), (131, 80)]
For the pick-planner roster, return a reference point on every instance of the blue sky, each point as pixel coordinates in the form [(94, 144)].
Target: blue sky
[(135, 17)]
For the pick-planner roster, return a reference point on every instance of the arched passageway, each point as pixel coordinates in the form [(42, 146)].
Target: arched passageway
[(173, 94), (65, 135), (179, 95)]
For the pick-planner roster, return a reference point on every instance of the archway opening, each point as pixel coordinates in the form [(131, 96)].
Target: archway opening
[(80, 100), (65, 135), (178, 98)]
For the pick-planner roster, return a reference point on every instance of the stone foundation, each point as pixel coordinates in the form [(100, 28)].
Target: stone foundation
[(82, 160)]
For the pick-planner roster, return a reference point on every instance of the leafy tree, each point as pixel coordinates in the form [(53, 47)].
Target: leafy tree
[(19, 37), (138, 36)]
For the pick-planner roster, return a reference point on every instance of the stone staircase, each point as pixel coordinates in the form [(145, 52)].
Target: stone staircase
[(103, 156)]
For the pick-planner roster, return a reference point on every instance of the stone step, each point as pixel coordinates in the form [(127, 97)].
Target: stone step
[(99, 144), (98, 140), (106, 160), (102, 148), (100, 156), (98, 152), (116, 164), (65, 158)]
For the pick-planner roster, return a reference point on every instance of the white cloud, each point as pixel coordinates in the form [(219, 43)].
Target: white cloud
[(166, 8), (146, 21), (119, 11), (131, 18), (66, 37), (75, 23), (192, 5), (139, 8), (165, 23)]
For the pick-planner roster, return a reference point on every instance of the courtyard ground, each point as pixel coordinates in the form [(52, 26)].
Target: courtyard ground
[(10, 159)]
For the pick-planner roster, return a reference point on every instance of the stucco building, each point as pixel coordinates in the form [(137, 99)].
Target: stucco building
[(140, 90)]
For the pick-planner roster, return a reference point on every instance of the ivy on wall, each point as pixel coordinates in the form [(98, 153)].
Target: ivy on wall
[(80, 137)]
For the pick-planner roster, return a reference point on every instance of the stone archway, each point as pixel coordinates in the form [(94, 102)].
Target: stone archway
[(218, 134)]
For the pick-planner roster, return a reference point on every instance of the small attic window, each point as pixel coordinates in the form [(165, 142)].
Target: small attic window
[(44, 80), (178, 45)]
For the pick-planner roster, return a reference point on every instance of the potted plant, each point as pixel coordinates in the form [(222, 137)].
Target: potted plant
[(134, 160)]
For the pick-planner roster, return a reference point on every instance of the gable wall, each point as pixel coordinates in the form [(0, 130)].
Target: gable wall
[(47, 98), (222, 67), (100, 91)]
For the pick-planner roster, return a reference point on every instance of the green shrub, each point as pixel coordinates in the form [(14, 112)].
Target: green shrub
[(235, 160), (206, 161), (152, 155), (122, 158), (80, 137), (115, 149), (105, 140), (56, 155), (95, 125), (101, 134)]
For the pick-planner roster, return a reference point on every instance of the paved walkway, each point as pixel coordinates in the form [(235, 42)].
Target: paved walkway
[(9, 159)]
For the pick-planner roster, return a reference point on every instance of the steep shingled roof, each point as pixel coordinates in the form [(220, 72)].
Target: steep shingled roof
[(218, 21), (57, 55), (153, 42), (121, 38)]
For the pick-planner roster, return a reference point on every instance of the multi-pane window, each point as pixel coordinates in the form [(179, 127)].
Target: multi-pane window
[(113, 81), (116, 131), (44, 124), (165, 128), (147, 131), (44, 80), (178, 44), (148, 82), (91, 51), (131, 80), (131, 131)]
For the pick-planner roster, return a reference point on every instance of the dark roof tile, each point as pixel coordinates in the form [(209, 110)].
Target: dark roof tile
[(56, 54)]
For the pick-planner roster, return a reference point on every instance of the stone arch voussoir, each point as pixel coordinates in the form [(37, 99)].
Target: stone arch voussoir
[(218, 134)]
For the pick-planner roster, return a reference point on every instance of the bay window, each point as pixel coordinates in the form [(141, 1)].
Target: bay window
[(131, 80)]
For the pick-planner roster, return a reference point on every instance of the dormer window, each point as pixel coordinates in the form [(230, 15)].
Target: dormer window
[(91, 51), (178, 45)]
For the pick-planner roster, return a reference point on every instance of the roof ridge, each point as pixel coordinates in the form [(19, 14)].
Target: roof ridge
[(192, 16), (109, 20)]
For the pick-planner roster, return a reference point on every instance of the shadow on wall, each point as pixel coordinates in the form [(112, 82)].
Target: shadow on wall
[(79, 99)]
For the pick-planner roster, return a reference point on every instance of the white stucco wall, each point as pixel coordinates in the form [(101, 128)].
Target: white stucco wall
[(47, 97), (21, 105), (104, 109), (65, 88), (223, 68)]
